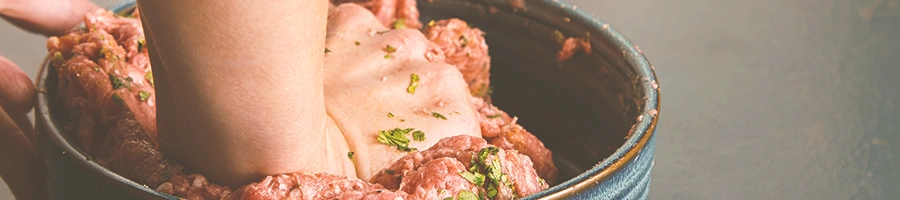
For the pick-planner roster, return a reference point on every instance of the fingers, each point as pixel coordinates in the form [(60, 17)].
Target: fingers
[(18, 161), (48, 17), (16, 89)]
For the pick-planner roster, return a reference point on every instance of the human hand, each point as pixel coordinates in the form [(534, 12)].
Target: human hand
[(18, 158)]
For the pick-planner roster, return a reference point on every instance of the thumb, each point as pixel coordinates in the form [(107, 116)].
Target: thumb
[(48, 17)]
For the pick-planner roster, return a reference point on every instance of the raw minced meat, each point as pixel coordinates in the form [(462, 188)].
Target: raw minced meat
[(106, 85)]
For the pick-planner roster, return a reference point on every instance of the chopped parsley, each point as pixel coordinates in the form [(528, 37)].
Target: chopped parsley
[(118, 83), (418, 135), (400, 23), (390, 49), (144, 95), (559, 36), (350, 155), (486, 174), (438, 115), (474, 178), (327, 50), (118, 99), (389, 172), (390, 115), (463, 41), (397, 138), (495, 116), (413, 83), (388, 56), (149, 77), (382, 32), (357, 43), (466, 195), (141, 43), (58, 58), (96, 68)]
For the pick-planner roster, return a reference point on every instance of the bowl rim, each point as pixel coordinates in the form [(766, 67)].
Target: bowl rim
[(638, 137)]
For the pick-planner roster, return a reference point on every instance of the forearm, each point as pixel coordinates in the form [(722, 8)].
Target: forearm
[(241, 85)]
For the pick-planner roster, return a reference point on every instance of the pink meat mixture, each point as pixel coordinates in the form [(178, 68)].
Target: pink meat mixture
[(107, 87)]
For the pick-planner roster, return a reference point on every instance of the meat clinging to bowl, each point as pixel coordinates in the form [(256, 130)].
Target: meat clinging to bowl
[(106, 85)]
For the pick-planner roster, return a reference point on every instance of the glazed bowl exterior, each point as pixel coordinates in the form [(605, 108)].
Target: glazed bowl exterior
[(596, 112)]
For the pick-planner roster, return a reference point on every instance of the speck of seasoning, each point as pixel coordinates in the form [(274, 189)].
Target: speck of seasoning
[(559, 36), (431, 23), (400, 23), (388, 56), (149, 77), (495, 116), (382, 32), (118, 99), (327, 50), (463, 41), (144, 95), (390, 115), (413, 83), (141, 43), (438, 115), (96, 68), (390, 49), (389, 172), (357, 43), (350, 155), (418, 136)]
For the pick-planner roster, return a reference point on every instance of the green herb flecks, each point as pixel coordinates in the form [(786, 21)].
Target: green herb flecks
[(350, 155), (149, 77), (357, 43), (418, 135), (118, 99), (400, 23), (466, 195), (58, 58), (382, 32), (141, 43), (495, 116), (144, 95), (438, 115), (396, 138), (560, 38), (327, 50), (413, 83), (474, 178), (96, 68), (389, 172), (388, 56), (119, 83), (390, 115), (390, 49), (487, 174), (463, 41)]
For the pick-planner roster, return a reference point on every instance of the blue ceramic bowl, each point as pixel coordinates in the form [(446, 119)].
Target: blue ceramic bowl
[(597, 112)]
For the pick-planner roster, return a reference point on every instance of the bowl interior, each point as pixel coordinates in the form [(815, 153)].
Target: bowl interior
[(582, 109)]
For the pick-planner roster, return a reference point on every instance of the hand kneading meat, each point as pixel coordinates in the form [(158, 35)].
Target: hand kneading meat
[(412, 107)]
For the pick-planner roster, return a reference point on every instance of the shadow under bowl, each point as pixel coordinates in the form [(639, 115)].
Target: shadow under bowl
[(596, 112)]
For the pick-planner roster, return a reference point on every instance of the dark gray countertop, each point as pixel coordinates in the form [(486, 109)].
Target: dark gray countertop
[(762, 99)]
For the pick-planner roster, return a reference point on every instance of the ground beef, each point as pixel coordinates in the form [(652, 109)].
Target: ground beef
[(463, 47), (438, 169), (390, 11), (572, 46), (503, 131), (105, 84), (313, 186)]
